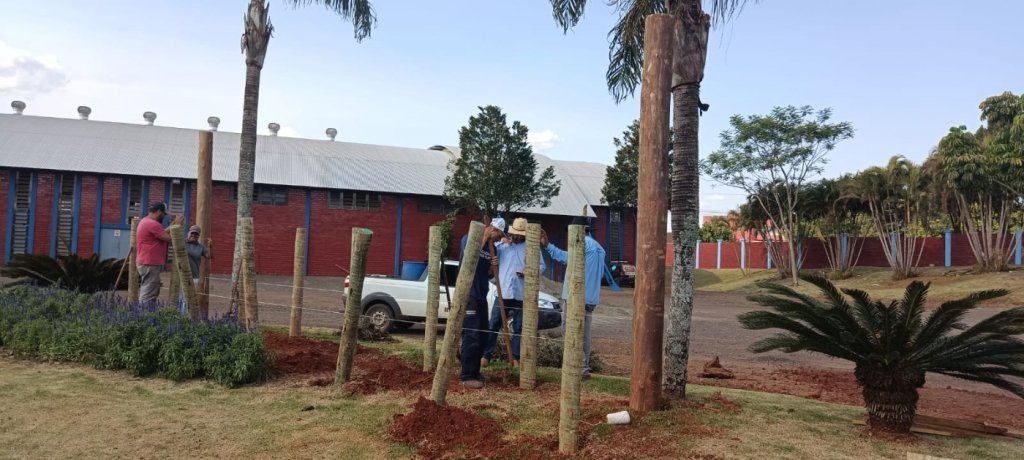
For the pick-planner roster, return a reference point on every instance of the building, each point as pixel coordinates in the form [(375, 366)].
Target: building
[(72, 185)]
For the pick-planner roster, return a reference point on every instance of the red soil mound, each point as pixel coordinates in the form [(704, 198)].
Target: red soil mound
[(436, 430)]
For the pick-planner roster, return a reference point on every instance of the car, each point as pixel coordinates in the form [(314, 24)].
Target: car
[(395, 304)]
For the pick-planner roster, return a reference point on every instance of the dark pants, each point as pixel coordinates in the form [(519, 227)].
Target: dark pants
[(514, 312), (474, 338)]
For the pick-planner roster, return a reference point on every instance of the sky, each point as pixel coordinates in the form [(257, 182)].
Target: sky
[(902, 72)]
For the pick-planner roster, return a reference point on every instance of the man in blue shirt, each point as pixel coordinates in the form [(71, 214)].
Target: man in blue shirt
[(512, 252), (474, 326), (593, 272)]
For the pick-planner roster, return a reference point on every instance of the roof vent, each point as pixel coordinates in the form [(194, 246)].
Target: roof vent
[(331, 133), (18, 107), (214, 123), (273, 127), (83, 112), (150, 117)]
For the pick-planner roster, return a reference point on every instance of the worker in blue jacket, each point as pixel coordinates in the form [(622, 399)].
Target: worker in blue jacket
[(594, 271)]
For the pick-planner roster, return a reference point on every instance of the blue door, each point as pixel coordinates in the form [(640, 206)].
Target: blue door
[(114, 243)]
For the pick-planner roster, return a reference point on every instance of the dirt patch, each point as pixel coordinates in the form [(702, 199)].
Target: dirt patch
[(714, 370), (725, 403), (372, 370), (439, 430)]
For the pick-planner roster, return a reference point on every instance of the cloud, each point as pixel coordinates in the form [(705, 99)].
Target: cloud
[(543, 140), (24, 74), (716, 197)]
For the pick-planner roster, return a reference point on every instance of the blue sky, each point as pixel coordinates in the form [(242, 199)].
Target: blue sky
[(902, 72)]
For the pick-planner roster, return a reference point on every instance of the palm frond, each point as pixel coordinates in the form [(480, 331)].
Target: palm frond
[(567, 13), (360, 12), (813, 339), (991, 379), (626, 45)]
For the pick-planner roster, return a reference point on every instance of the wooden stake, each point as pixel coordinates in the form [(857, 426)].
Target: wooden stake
[(434, 269), (572, 356), (453, 328), (174, 293), (652, 215), (181, 268), (251, 303), (501, 308), (298, 276), (361, 238), (531, 295), (133, 269), (204, 215)]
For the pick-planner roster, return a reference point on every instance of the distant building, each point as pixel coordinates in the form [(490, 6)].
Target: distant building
[(73, 185)]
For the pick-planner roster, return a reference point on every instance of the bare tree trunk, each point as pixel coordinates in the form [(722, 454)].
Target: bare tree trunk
[(133, 269), (531, 294), (572, 354), (181, 268), (246, 167), (204, 215), (453, 328), (174, 293), (252, 306), (652, 213), (434, 261), (691, 46), (361, 238), (298, 278)]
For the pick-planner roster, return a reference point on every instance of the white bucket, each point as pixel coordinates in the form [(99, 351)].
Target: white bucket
[(619, 418)]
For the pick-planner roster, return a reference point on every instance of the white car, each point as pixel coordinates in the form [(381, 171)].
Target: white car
[(397, 304)]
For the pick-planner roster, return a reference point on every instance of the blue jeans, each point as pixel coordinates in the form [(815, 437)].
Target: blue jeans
[(474, 338), (586, 333), (514, 311)]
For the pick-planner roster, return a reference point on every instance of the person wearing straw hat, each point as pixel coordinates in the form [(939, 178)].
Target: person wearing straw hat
[(594, 267), (512, 253), (474, 326)]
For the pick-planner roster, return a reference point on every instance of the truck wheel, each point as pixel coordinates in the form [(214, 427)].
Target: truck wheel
[(381, 316)]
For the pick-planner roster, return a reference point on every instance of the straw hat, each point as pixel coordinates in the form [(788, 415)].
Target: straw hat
[(518, 227)]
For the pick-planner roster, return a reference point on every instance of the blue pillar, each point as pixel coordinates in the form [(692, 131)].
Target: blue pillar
[(800, 255), (718, 262), (11, 193), (1016, 257), (892, 243), (696, 263), (54, 215), (743, 253), (398, 239), (768, 247), (844, 242), (949, 247)]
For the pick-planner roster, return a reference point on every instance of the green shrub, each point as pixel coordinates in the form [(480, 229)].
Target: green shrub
[(240, 362)]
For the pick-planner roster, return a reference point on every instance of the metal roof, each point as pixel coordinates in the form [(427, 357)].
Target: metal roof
[(101, 147)]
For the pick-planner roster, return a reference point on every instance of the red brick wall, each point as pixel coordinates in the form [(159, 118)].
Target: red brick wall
[(112, 205), (330, 238), (274, 228), (87, 215), (5, 187), (223, 231), (43, 212)]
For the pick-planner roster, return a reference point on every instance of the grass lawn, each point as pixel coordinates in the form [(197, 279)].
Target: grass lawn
[(947, 283), (60, 411)]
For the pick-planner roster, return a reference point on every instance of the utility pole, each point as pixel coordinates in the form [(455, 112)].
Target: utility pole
[(652, 215), (204, 215)]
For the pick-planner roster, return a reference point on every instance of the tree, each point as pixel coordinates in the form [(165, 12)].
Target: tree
[(255, 38), (777, 153), (625, 56), (983, 172), (718, 228), (496, 170), (836, 221), (893, 345), (620, 180)]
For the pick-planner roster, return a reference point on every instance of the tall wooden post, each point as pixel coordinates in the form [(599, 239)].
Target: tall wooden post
[(133, 268), (184, 272), (204, 215), (298, 272), (453, 328), (361, 238), (251, 303), (531, 295), (434, 268), (174, 292), (572, 356), (652, 215)]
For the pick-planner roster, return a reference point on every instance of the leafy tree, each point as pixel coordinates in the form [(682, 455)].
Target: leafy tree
[(837, 222), (893, 345), (718, 228), (777, 153), (496, 170), (255, 38), (620, 180)]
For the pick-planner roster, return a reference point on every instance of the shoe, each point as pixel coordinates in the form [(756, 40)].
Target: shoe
[(484, 362), (586, 376), (473, 384)]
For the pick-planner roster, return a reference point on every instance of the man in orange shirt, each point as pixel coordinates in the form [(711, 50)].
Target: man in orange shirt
[(151, 252)]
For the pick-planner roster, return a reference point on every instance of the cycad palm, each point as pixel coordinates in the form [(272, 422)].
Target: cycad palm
[(255, 39), (893, 345)]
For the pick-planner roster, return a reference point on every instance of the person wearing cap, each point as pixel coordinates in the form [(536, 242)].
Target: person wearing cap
[(196, 251), (512, 253), (474, 326), (151, 243), (594, 264)]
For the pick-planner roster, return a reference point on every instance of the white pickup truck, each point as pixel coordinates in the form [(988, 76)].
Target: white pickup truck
[(396, 304)]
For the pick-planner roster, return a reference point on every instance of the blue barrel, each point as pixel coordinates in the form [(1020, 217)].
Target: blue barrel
[(413, 270)]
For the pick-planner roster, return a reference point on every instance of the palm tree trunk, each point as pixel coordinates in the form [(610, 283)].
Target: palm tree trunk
[(685, 228), (890, 397), (246, 168)]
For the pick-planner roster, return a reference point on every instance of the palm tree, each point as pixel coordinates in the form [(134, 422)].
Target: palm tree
[(893, 345), (255, 39), (625, 63)]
